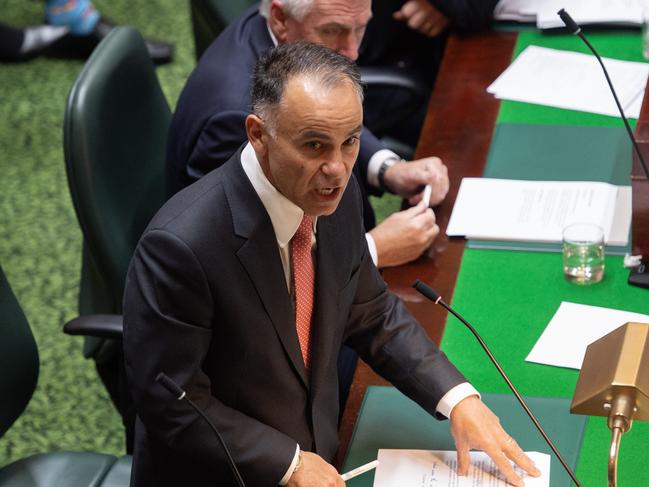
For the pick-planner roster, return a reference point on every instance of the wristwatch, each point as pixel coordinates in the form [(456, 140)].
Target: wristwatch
[(385, 165)]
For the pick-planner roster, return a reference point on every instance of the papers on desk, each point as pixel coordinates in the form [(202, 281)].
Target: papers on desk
[(618, 12), (537, 211), (572, 328), (573, 81), (437, 468)]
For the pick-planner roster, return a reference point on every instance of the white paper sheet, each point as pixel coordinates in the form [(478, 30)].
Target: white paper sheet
[(544, 12), (416, 468), (573, 81), (531, 211), (572, 328)]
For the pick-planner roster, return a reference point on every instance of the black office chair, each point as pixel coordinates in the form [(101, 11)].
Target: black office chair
[(115, 133), (19, 367)]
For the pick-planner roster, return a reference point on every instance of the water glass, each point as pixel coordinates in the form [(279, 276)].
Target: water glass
[(583, 253)]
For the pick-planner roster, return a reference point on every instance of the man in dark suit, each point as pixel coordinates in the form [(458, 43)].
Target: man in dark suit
[(245, 285), (409, 36), (207, 126)]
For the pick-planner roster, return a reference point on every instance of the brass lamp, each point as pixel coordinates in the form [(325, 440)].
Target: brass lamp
[(614, 382)]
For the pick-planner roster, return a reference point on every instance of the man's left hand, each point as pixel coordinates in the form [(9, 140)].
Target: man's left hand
[(421, 16), (409, 179), (473, 425)]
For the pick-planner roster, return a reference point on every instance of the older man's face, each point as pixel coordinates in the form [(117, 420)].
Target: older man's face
[(338, 25), (310, 153)]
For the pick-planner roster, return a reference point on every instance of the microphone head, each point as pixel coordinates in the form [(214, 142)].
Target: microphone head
[(426, 290), (165, 381), (568, 20)]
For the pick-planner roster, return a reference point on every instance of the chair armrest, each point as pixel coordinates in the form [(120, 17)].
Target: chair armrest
[(100, 326), (372, 76)]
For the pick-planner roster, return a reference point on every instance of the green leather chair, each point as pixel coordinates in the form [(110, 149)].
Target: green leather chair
[(19, 366), (115, 133)]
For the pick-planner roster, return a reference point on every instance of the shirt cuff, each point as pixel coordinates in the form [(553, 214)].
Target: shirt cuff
[(454, 396), (371, 245), (291, 467), (374, 165)]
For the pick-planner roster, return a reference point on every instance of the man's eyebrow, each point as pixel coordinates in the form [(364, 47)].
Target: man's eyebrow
[(335, 25), (356, 130), (313, 134)]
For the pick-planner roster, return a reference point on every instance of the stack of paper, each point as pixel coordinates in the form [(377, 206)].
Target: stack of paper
[(618, 12), (432, 467), (536, 211), (571, 80), (572, 328)]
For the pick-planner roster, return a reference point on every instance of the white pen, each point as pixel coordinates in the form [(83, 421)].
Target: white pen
[(357, 471), (428, 190)]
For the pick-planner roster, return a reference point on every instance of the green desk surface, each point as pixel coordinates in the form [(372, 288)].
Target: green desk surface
[(511, 296), (388, 419)]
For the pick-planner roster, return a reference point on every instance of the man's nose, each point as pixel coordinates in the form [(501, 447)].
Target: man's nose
[(335, 166), (348, 45)]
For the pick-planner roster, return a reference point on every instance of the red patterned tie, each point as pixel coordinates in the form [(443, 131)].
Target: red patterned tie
[(303, 283)]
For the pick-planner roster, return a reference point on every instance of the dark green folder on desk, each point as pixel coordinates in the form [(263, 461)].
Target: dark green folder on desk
[(388, 419), (557, 153)]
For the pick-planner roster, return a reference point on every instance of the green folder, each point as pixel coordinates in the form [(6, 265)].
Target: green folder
[(388, 419), (557, 153)]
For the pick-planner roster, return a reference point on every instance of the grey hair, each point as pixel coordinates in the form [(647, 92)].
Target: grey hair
[(296, 9), (321, 64)]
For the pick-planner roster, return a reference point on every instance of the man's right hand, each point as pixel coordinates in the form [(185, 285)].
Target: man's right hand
[(315, 472), (405, 235)]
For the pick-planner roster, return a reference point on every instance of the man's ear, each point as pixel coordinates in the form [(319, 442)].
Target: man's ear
[(277, 20), (256, 133)]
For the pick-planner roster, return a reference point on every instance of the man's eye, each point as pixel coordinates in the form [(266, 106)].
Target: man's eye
[(331, 31), (352, 141), (314, 145)]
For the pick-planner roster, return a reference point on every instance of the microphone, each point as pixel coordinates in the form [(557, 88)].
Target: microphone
[(165, 381), (638, 276), (576, 30), (429, 293)]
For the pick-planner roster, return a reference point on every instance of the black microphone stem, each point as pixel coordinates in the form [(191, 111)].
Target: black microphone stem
[(235, 470), (165, 381), (580, 34), (514, 391), (418, 285)]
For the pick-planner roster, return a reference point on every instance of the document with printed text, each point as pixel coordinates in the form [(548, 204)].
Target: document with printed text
[(434, 468), (534, 211), (572, 80)]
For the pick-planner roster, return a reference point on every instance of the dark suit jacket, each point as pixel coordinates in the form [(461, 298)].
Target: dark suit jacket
[(208, 127), (206, 302)]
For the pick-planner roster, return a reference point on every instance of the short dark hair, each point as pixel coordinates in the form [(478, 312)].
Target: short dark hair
[(284, 62)]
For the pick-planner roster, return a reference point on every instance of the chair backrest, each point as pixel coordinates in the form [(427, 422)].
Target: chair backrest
[(18, 358), (210, 17), (115, 133)]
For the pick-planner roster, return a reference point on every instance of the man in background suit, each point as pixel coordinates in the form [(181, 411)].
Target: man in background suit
[(245, 284), (207, 126)]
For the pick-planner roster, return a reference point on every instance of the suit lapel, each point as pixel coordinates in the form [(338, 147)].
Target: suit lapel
[(323, 349), (259, 255)]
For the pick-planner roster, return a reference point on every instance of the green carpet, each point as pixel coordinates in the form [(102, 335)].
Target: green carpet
[(40, 242)]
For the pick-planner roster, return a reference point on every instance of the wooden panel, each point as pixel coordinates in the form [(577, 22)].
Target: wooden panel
[(458, 128), (640, 185)]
